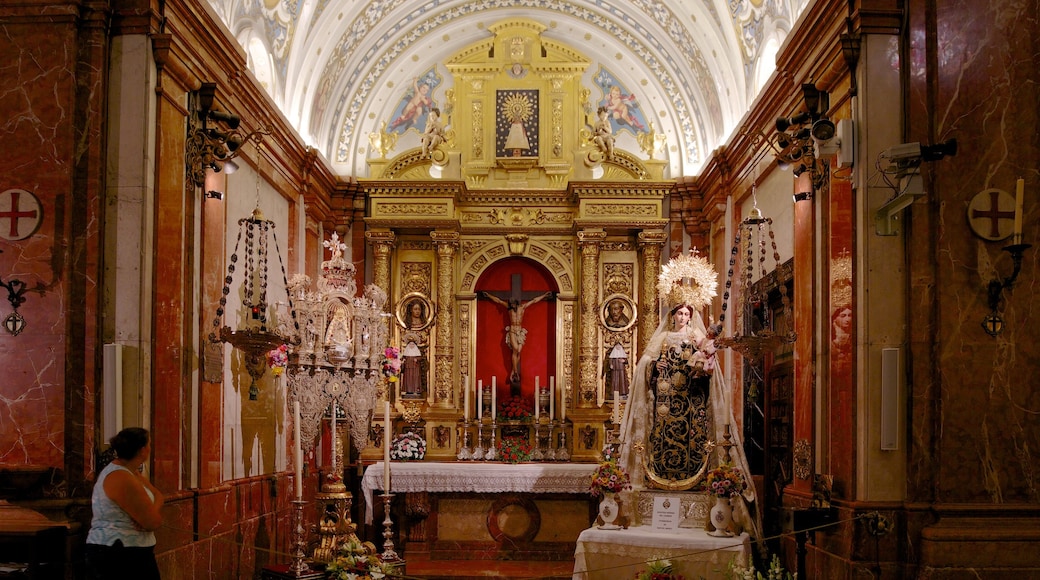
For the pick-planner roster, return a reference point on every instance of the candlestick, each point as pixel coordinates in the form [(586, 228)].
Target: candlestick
[(335, 463), (537, 403), (494, 398), (298, 566), (465, 392), (1020, 187), (480, 399), (389, 554), (387, 428), (298, 459)]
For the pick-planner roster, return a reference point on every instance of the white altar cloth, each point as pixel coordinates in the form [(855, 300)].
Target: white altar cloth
[(477, 477), (612, 554)]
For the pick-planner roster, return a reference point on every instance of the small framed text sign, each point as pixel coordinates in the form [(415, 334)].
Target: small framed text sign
[(667, 513)]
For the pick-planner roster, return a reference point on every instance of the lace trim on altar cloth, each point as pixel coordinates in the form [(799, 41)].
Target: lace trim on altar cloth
[(478, 478)]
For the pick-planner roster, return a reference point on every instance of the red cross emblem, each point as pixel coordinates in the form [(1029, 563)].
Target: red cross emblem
[(991, 213), (23, 213)]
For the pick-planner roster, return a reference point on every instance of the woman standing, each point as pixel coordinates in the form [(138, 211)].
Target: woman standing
[(127, 510)]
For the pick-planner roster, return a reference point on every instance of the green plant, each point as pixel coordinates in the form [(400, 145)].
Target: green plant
[(658, 570)]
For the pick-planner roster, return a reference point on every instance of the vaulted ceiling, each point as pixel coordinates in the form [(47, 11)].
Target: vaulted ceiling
[(339, 68)]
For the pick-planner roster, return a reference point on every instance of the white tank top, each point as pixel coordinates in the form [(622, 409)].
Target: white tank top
[(110, 522)]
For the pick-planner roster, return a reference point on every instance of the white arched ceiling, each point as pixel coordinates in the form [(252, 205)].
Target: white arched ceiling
[(338, 67)]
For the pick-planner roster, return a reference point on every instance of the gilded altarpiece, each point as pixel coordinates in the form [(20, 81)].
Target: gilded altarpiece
[(595, 225)]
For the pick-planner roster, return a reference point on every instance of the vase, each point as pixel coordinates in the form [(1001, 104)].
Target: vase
[(721, 517), (608, 511)]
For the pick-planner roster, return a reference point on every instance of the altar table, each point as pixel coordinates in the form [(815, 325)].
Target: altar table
[(612, 554), (477, 477)]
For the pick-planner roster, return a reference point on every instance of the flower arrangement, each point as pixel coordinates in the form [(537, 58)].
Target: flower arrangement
[(609, 477), (391, 363), (278, 359), (775, 572), (725, 481), (408, 446), (514, 449), (515, 408), (658, 570), (357, 561)]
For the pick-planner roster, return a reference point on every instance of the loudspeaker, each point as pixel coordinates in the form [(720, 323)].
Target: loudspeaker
[(112, 395), (891, 377)]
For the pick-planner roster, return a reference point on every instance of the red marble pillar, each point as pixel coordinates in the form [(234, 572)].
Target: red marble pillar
[(804, 347), (174, 261), (841, 341), (214, 215)]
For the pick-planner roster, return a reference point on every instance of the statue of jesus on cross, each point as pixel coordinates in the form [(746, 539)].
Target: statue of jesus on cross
[(516, 334)]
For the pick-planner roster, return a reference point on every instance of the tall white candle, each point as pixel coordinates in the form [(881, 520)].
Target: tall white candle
[(480, 399), (1020, 187), (552, 404), (617, 407), (298, 455), (537, 397), (465, 396), (494, 397), (387, 428)]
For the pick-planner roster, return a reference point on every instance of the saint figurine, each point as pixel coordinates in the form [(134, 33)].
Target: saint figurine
[(413, 371)]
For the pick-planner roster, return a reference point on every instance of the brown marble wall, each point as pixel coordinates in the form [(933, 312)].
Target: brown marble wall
[(976, 426)]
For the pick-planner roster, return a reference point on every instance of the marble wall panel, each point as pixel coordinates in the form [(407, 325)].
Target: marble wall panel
[(44, 412), (977, 83)]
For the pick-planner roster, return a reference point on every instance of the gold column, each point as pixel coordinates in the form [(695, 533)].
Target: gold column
[(588, 353), (650, 244), (444, 360), (382, 242)]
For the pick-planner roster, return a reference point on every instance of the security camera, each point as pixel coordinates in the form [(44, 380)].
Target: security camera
[(910, 152), (905, 153)]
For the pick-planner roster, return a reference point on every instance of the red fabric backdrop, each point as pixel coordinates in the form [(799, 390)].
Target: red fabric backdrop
[(492, 355)]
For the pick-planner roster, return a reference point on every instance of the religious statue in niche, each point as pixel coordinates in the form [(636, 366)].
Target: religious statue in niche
[(338, 341), (414, 367), (516, 334), (615, 371), (517, 123)]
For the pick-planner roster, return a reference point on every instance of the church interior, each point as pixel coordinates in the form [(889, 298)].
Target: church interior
[(399, 276)]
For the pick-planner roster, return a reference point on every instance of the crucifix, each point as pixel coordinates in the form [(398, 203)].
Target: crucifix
[(516, 334)]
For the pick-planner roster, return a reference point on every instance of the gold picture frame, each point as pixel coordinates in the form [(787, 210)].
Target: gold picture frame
[(621, 320)]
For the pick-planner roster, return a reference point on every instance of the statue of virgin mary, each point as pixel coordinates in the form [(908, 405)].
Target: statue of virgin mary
[(679, 413)]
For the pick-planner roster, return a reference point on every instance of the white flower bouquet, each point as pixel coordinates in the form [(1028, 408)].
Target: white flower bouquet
[(408, 446)]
